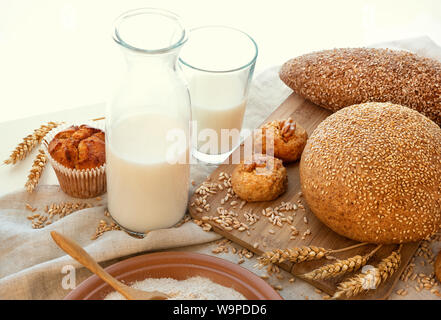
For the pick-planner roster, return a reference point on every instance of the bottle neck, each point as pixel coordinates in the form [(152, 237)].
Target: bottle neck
[(142, 62)]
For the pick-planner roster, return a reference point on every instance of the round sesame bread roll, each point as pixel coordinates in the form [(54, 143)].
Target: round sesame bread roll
[(338, 78), (371, 172)]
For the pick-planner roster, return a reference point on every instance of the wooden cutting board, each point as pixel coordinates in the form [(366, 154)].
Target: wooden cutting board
[(264, 236)]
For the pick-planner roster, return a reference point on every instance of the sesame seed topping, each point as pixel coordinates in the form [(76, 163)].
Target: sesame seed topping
[(378, 166)]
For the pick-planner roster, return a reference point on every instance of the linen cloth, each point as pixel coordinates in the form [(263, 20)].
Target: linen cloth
[(31, 265)]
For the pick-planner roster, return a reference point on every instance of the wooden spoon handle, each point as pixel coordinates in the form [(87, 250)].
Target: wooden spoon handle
[(75, 251)]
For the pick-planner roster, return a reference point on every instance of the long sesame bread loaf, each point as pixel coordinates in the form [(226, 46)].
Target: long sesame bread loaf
[(339, 78), (372, 173)]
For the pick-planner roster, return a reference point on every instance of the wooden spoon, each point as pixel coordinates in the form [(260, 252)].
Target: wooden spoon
[(75, 251)]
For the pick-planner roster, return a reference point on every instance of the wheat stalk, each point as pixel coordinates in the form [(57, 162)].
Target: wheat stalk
[(370, 279), (36, 171), (340, 267), (30, 142), (300, 254), (295, 255)]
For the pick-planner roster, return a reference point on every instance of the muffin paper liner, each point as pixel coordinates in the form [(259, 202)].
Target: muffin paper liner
[(86, 183)]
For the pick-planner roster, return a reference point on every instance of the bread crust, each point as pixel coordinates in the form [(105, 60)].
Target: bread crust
[(371, 172), (261, 178), (338, 78)]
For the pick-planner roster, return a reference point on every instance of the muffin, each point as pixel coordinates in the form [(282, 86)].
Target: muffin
[(285, 138), (371, 172), (78, 157), (261, 178)]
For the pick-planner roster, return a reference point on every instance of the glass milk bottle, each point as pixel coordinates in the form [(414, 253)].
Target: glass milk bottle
[(148, 125)]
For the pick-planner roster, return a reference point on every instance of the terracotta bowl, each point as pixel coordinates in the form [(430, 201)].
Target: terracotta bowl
[(180, 266)]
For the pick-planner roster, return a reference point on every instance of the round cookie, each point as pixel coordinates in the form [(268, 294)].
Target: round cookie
[(285, 138), (371, 172), (261, 178)]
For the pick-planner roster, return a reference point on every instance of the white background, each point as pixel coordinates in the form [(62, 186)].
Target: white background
[(58, 54)]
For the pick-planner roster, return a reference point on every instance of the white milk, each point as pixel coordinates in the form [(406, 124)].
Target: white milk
[(145, 191), (217, 103)]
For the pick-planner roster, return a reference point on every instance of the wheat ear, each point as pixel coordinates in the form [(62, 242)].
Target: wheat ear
[(300, 254), (30, 142), (295, 255), (372, 278), (36, 171), (340, 267)]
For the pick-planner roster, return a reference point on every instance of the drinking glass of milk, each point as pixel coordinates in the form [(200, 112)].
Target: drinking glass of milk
[(218, 63), (148, 124)]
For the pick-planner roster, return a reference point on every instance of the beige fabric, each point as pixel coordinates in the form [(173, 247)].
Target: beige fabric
[(31, 264)]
